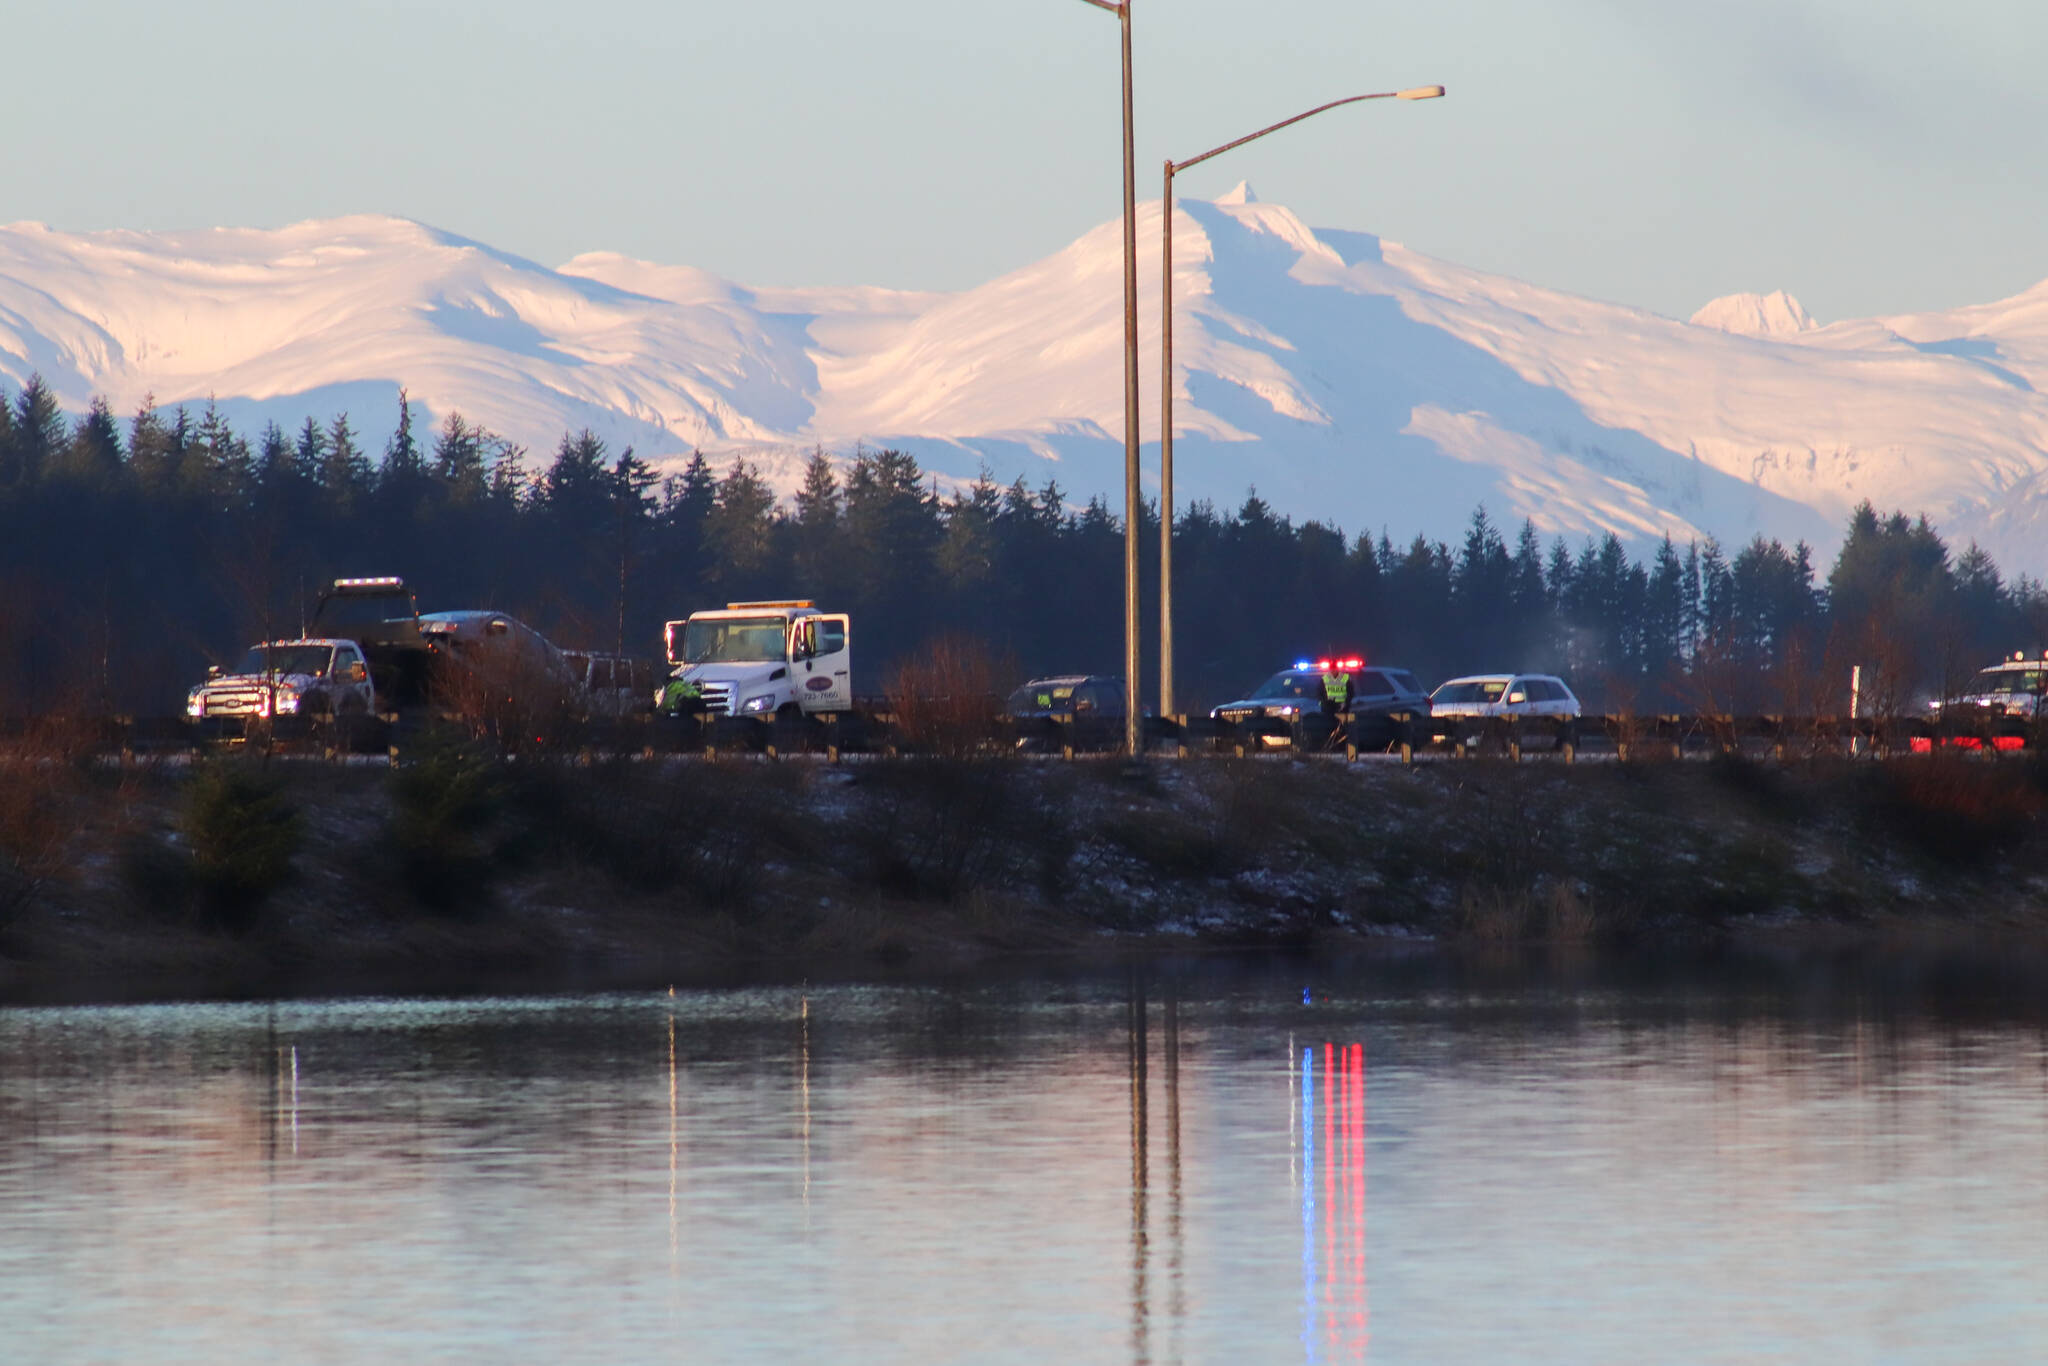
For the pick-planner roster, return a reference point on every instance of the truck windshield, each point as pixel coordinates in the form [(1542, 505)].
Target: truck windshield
[(735, 640), (2009, 680), (286, 659)]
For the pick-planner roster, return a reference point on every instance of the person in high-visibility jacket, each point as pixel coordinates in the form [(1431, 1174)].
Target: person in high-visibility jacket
[(680, 696), (1336, 687)]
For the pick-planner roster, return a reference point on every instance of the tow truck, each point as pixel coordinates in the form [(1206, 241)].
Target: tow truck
[(2001, 706), (382, 616), (781, 660), (2015, 688)]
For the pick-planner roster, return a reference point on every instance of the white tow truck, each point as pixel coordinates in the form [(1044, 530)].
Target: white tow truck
[(2013, 689), (765, 660)]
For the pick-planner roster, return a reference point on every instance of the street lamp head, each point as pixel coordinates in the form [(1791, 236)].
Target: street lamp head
[(1421, 92)]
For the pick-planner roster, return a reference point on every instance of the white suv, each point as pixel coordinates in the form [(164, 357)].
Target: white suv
[(1521, 696)]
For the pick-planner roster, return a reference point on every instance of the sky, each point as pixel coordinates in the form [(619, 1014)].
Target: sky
[(1870, 156)]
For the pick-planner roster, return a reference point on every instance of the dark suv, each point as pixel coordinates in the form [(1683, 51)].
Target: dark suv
[(1082, 710), (1386, 706)]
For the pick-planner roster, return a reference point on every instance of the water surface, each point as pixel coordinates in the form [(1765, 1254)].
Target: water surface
[(1197, 1166)]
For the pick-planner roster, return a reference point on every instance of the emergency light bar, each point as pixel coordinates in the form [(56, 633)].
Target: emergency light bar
[(781, 602), (1335, 665), (387, 582)]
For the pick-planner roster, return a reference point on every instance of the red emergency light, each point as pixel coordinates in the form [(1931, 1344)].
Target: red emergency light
[(1339, 665)]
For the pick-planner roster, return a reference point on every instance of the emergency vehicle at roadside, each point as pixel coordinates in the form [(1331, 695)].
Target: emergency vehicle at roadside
[(2015, 688), (761, 660), (1305, 704)]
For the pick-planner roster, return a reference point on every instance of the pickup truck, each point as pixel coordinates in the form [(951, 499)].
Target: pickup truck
[(314, 677)]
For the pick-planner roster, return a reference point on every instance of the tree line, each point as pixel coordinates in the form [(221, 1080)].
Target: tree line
[(134, 551)]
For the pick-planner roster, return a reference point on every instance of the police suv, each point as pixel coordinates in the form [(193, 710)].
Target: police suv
[(1312, 700)]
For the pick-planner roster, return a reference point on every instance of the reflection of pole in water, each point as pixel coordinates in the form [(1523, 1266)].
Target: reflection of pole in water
[(1308, 1204), (1176, 1303), (1141, 1349), (1334, 1309), (295, 1100), (674, 1150), (1356, 1151), (1293, 1122), (804, 1078)]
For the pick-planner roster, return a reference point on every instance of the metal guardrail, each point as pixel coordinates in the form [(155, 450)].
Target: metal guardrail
[(874, 730)]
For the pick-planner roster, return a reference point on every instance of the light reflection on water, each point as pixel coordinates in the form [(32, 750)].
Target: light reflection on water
[(1093, 1171)]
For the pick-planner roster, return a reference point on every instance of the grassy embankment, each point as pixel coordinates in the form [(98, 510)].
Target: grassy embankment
[(462, 868)]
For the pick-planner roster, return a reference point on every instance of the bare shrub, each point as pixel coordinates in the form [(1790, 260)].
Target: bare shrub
[(1492, 914), (948, 697), (46, 743), (945, 827), (702, 831), (1958, 811), (37, 819), (510, 698), (1566, 916)]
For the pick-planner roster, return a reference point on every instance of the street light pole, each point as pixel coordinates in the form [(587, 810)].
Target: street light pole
[(1173, 168), (1133, 730)]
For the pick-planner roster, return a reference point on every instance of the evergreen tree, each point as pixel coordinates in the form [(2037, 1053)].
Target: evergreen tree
[(309, 451), (576, 491), (1717, 606), (1482, 587), (402, 479), (1531, 599), (738, 531), (8, 458), (38, 437), (152, 452), (345, 473), (511, 488), (459, 460), (967, 556), (817, 528), (892, 528), (277, 466), (94, 453), (1665, 615), (218, 463)]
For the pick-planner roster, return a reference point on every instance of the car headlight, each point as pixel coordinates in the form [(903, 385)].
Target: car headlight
[(755, 705), (1284, 711), (195, 702), (287, 699)]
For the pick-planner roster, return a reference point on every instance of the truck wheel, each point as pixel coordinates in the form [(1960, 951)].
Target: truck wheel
[(790, 732)]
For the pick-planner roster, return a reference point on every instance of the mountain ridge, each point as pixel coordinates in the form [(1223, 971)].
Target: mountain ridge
[(1346, 377)]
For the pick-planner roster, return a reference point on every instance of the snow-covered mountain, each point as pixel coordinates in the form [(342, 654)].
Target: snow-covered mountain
[(1347, 378)]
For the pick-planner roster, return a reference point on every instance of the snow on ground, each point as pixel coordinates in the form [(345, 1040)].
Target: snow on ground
[(1347, 378)]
